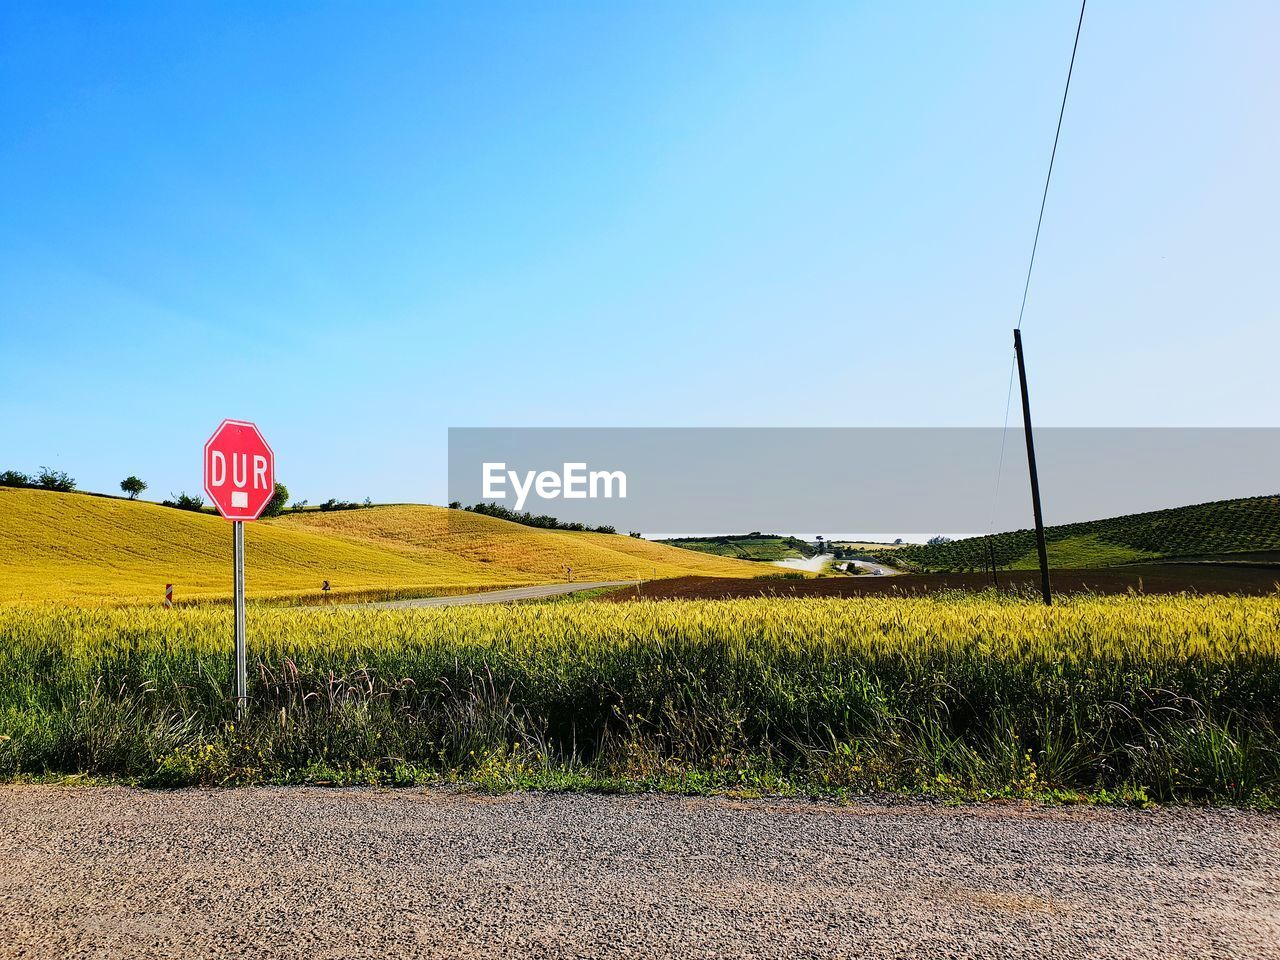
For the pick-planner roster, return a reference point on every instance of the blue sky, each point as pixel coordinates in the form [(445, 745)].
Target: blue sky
[(360, 224)]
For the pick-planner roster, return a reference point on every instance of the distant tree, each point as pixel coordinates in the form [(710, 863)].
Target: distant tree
[(455, 504), (59, 480), (133, 486), (275, 506), (298, 504), (368, 501), (15, 478), (938, 540)]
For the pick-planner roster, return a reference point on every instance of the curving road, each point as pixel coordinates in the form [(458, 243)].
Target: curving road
[(875, 569), (508, 595), (819, 562)]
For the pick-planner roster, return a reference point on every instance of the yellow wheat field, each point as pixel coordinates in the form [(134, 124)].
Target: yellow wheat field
[(1132, 629)]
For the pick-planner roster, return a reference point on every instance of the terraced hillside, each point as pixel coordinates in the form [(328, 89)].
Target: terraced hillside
[(73, 547), (1222, 530)]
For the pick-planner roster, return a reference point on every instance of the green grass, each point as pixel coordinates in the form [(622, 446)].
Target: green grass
[(1085, 551), (1220, 529)]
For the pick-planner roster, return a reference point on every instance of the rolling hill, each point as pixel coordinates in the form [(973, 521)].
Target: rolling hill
[(69, 546), (436, 535), (1224, 530)]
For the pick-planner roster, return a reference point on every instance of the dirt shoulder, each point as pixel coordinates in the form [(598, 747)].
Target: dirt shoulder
[(367, 873)]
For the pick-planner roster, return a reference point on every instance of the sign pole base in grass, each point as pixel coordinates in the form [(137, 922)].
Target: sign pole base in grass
[(242, 696)]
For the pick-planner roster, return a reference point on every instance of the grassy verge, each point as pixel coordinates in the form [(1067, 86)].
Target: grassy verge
[(1104, 699)]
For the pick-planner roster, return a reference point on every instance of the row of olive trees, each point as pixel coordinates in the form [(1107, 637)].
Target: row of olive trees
[(132, 486)]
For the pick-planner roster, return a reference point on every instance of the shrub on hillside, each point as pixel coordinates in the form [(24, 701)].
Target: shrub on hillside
[(335, 504), (184, 501), (59, 480), (46, 479), (275, 506), (541, 521)]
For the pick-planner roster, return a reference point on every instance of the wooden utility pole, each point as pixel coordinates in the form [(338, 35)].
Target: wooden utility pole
[(1031, 465)]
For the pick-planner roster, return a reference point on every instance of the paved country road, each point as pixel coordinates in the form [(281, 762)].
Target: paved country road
[(310, 872), (819, 563), (509, 595)]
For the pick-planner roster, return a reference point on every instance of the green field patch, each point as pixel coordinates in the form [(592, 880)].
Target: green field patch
[(1086, 551)]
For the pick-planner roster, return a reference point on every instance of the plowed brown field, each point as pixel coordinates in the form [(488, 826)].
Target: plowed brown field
[(1146, 578)]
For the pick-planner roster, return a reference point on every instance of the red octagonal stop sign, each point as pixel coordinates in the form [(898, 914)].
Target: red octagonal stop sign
[(239, 470)]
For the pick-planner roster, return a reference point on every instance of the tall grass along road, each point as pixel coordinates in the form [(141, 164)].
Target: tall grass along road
[(1115, 699), (304, 872)]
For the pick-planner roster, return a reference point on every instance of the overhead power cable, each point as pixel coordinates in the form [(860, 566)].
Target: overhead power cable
[(1035, 243), (1052, 156)]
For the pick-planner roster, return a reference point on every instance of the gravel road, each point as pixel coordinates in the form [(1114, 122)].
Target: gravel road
[(112, 872)]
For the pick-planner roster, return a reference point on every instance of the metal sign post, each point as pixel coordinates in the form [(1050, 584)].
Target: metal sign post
[(242, 680)]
